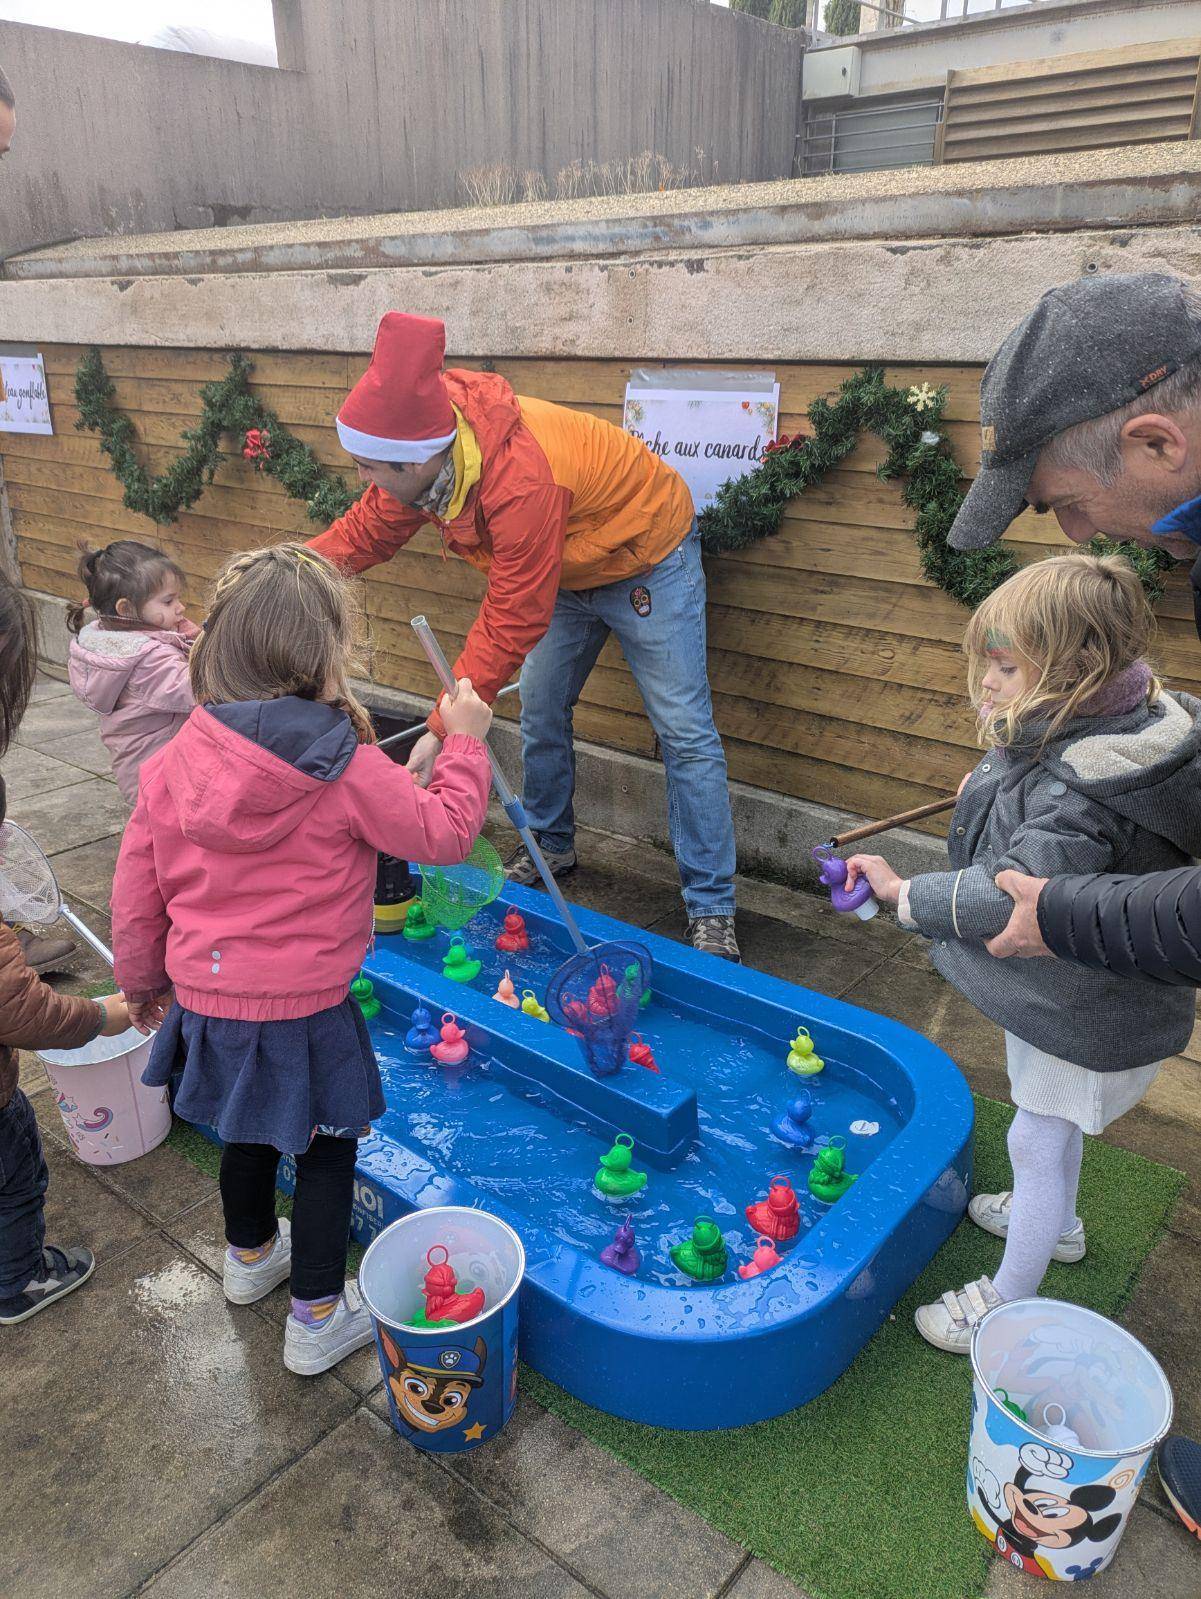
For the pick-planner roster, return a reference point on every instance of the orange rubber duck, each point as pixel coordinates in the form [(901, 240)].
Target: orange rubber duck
[(506, 994), (779, 1215)]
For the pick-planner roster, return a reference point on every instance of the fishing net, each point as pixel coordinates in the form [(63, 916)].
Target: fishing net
[(28, 890), (596, 996), (452, 895)]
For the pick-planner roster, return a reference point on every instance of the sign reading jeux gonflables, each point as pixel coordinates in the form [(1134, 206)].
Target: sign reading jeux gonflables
[(24, 402)]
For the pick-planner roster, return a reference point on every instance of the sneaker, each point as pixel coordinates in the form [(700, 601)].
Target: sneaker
[(44, 954), (948, 1322), (63, 1270), (1180, 1473), (310, 1350), (714, 935), (520, 868), (245, 1284), (992, 1212)]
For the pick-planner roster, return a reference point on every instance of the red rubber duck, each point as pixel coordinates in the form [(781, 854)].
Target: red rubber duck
[(779, 1215), (640, 1054), (443, 1302), (513, 938)]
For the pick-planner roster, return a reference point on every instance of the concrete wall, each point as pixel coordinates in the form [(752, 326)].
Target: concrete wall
[(382, 104)]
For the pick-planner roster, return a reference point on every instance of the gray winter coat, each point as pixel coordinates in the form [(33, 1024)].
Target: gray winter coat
[(1109, 794)]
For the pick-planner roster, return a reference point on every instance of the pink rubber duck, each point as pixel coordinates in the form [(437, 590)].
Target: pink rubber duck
[(506, 994), (453, 1047), (764, 1258), (514, 938)]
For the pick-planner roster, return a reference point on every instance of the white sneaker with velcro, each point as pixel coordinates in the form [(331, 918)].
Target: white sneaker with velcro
[(244, 1284), (949, 1321), (992, 1213)]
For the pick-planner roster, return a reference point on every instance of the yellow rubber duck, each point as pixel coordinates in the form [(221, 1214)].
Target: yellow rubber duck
[(530, 1005), (803, 1059)]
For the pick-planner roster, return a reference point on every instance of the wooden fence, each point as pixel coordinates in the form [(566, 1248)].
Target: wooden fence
[(836, 670)]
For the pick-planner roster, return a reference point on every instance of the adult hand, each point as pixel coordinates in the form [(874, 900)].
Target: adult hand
[(148, 1015), (1021, 934), (421, 761), (885, 883)]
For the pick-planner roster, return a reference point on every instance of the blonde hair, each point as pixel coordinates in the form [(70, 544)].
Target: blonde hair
[(1079, 620), (282, 621)]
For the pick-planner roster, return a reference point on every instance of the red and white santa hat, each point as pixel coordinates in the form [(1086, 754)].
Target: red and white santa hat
[(399, 409)]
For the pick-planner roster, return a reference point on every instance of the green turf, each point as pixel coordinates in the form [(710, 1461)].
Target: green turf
[(860, 1495)]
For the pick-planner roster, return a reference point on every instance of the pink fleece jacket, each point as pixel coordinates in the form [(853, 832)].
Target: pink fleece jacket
[(246, 882), (137, 682)]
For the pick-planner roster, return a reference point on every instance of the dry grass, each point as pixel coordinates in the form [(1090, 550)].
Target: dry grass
[(647, 173)]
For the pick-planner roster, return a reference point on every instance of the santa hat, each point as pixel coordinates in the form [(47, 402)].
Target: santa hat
[(399, 409)]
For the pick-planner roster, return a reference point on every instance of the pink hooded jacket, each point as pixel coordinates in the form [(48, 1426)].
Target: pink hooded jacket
[(246, 873), (138, 685)]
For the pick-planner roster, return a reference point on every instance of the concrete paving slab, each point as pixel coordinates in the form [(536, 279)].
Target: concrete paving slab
[(759, 1581), (83, 749), (360, 1515), (48, 688), (55, 718), (85, 874), (162, 1184), (1153, 1557), (603, 881), (28, 772), (141, 1410), (66, 817), (82, 1210)]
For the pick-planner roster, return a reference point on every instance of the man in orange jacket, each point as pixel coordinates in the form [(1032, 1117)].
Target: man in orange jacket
[(581, 532)]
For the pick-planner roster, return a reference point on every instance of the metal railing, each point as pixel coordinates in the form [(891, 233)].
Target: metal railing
[(861, 140)]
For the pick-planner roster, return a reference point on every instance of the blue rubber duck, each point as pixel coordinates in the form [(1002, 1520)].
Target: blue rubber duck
[(791, 1127), (422, 1033)]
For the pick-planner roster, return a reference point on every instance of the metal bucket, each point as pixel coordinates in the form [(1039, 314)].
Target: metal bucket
[(109, 1113)]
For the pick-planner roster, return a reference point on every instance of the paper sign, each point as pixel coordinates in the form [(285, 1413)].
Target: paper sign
[(24, 402), (708, 435)]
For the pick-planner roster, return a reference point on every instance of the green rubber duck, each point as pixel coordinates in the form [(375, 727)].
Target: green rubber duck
[(458, 963), (615, 1179), (702, 1256), (418, 925), (420, 1319), (803, 1059), (827, 1179), (632, 981), (363, 991)]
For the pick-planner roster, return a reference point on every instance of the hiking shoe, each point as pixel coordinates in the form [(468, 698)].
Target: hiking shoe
[(992, 1212), (246, 1283), (714, 935), (1180, 1473), (44, 954), (62, 1271), (520, 868), (310, 1350), (948, 1322)]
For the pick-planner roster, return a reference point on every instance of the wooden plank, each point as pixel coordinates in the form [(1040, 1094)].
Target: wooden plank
[(1051, 101), (300, 369), (1051, 142), (165, 431), (865, 793), (1153, 76), (1163, 117), (1086, 61)]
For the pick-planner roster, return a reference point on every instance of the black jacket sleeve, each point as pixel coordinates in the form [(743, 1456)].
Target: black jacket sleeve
[(1135, 926)]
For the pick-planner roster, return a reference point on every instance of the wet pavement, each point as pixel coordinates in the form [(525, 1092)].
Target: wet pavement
[(155, 1443)]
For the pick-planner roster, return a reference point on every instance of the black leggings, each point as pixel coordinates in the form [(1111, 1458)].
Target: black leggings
[(320, 1210)]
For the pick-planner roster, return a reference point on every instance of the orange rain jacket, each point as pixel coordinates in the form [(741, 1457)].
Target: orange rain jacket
[(564, 500)]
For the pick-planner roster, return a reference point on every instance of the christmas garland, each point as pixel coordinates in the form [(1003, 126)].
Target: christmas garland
[(750, 508), (227, 406)]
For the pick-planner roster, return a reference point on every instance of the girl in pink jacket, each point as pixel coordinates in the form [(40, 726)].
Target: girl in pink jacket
[(244, 890), (130, 665)]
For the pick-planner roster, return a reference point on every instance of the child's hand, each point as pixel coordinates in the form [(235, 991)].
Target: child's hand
[(964, 781), (886, 885), (116, 1014), (466, 712), (148, 1015)]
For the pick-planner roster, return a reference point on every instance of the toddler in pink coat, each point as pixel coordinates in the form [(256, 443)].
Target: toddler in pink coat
[(130, 665)]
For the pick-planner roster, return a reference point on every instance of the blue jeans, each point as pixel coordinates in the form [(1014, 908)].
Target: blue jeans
[(659, 621), (23, 1182)]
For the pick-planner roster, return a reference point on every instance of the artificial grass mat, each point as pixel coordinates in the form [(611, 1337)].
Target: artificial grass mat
[(860, 1494)]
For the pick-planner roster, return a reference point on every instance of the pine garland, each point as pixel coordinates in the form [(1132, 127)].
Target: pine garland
[(227, 406), (907, 420)]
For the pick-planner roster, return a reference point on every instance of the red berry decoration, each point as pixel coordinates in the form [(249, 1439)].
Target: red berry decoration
[(257, 447)]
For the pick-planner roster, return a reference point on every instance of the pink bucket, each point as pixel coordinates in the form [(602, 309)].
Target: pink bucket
[(109, 1113)]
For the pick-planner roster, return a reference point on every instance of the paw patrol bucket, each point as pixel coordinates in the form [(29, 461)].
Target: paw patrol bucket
[(109, 1113), (451, 1383), (1067, 1408)]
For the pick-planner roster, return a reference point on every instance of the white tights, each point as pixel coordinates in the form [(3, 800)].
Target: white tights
[(1046, 1153)]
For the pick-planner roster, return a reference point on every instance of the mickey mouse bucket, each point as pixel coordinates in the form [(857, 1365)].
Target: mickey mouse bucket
[(441, 1286), (1067, 1408)]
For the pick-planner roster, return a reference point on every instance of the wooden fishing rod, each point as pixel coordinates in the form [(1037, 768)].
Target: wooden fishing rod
[(870, 829)]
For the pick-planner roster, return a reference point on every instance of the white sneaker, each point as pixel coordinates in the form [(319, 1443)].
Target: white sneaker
[(948, 1322), (992, 1212), (244, 1284), (309, 1350)]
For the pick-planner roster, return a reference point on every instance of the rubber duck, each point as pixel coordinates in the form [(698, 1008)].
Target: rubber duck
[(792, 1127), (452, 1046), (803, 1059), (631, 982), (362, 990), (506, 994), (834, 875), (422, 1032), (458, 963), (621, 1253), (827, 1179), (513, 938), (615, 1178), (764, 1258), (702, 1256), (779, 1215), (530, 1005), (640, 1053), (602, 996), (445, 1303), (418, 925)]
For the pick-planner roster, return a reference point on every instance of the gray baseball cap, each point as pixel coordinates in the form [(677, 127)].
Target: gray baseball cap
[(1086, 349)]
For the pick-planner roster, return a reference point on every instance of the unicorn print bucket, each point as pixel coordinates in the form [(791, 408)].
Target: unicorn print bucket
[(109, 1113)]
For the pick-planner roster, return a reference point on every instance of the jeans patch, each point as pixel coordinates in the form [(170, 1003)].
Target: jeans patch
[(640, 599)]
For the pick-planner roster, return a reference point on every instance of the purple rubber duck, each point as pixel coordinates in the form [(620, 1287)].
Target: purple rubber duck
[(621, 1253), (834, 875)]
